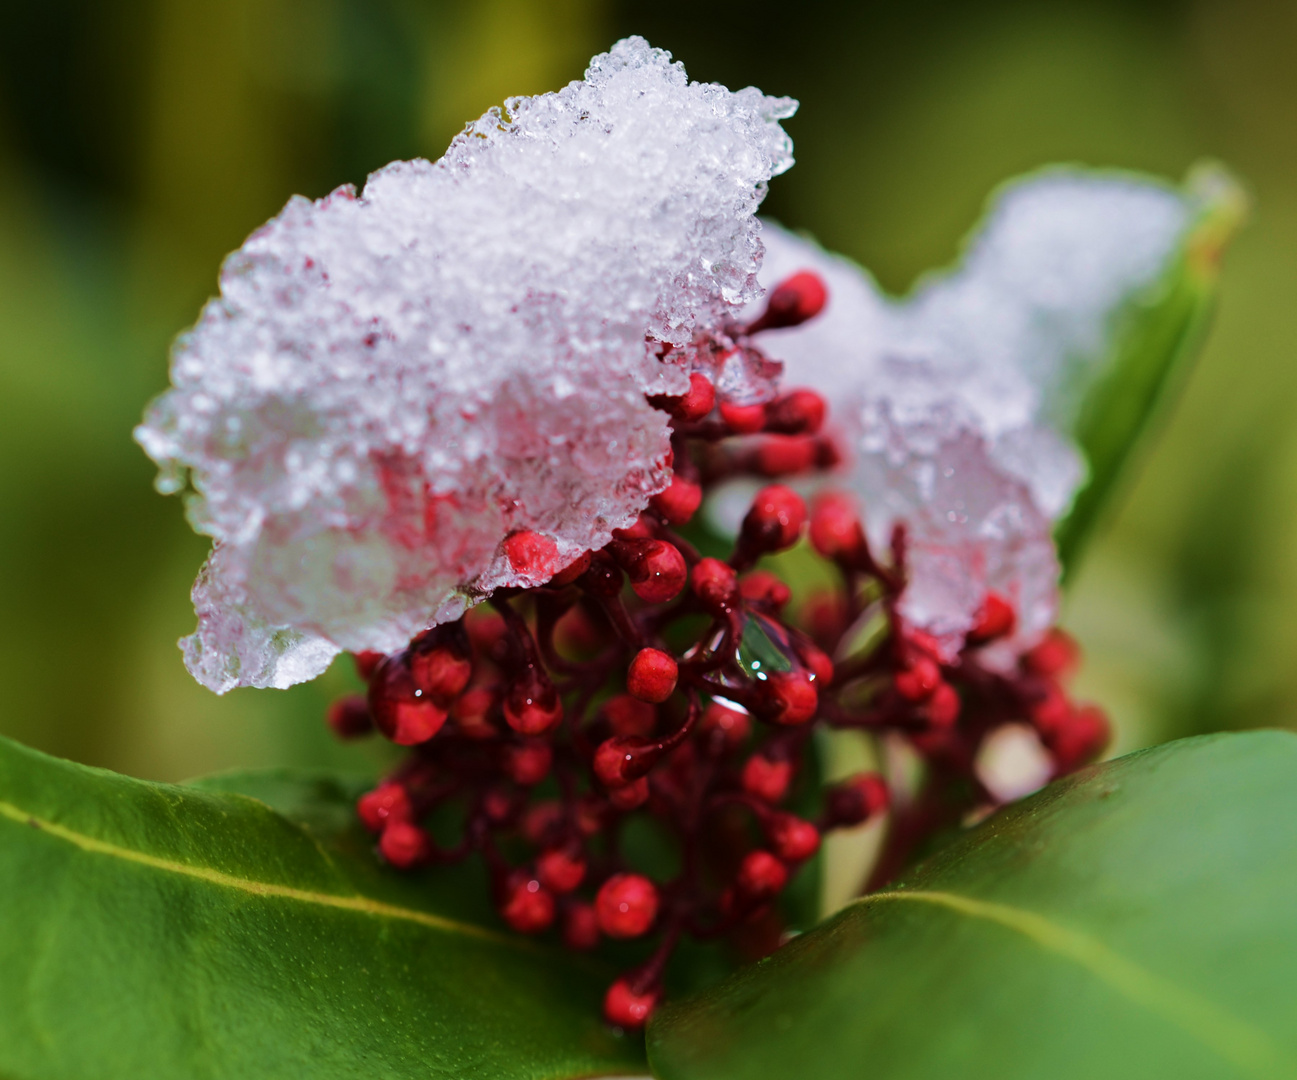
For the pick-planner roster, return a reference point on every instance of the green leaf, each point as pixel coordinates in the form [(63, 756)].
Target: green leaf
[(152, 930), (1136, 920), (1154, 342)]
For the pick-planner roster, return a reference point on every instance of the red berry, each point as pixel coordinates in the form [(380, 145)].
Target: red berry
[(628, 716), (532, 705), (528, 906), (1082, 739), (367, 663), (790, 697), (1051, 712), (349, 717), (836, 532), (472, 713), (1054, 657), (767, 779), (692, 405), (387, 802), (743, 419), (580, 927), (792, 838), (531, 555), (996, 619), (641, 529), (528, 763), (629, 796), (656, 569), (762, 587), (626, 905), (731, 725), (793, 301), (561, 869), (404, 844), (541, 820), (943, 706), (615, 758), (856, 799), (816, 661), (573, 570), (401, 710), (775, 520), (917, 681), (760, 875), (441, 672), (715, 584), (626, 1009), (679, 502), (786, 455), (798, 412), (652, 675)]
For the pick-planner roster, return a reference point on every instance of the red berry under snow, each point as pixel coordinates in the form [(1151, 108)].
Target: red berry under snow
[(679, 502), (793, 301)]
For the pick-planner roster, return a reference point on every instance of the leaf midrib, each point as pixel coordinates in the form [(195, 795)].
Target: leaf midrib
[(1242, 1044)]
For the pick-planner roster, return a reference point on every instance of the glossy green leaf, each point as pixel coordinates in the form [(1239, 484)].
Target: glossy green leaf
[(151, 930), (1154, 342), (1138, 920)]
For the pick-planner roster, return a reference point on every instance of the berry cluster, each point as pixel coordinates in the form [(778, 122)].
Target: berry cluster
[(647, 678)]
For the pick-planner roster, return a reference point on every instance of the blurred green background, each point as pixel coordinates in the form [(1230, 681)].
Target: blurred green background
[(140, 140)]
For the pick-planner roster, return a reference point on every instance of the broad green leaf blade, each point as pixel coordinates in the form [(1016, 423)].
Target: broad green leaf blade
[(1137, 920), (158, 931), (1154, 341)]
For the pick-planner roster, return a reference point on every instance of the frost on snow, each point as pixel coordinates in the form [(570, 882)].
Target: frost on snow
[(956, 403), (391, 384)]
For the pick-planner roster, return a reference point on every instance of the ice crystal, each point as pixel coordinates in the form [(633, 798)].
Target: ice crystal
[(391, 384), (956, 402)]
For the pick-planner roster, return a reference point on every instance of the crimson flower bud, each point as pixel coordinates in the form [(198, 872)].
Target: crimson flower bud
[(527, 763), (527, 906), (614, 760), (404, 844), (798, 412), (995, 619), (917, 681), (580, 927), (626, 905), (715, 584), (793, 301), (656, 569), (349, 718), (765, 778), (679, 502), (791, 697), (816, 661), (731, 725), (629, 796), (472, 713), (626, 1009), (1054, 657), (786, 455), (652, 675), (401, 710), (856, 799), (762, 587), (532, 705), (367, 663), (640, 529), (693, 405), (531, 555), (440, 663), (561, 869), (1051, 712), (943, 707), (760, 875), (792, 838), (1082, 739), (775, 520), (628, 716), (387, 802), (836, 532), (573, 570), (743, 419)]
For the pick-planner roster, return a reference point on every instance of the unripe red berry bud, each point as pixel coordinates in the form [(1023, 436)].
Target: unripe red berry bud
[(775, 520), (1051, 713), (656, 569), (943, 707), (626, 905), (798, 412), (527, 763), (367, 663), (679, 502), (792, 838), (793, 301), (402, 711), (1082, 739), (760, 875), (715, 584), (792, 697), (652, 675), (917, 681), (730, 725), (404, 844), (816, 661), (387, 802), (531, 555), (766, 779), (786, 455), (603, 578), (628, 716), (532, 705), (696, 403), (614, 760), (836, 532), (625, 1009), (580, 927), (561, 869), (856, 800), (472, 710), (528, 906), (1054, 657), (762, 587), (440, 666), (640, 529), (996, 619), (743, 419), (573, 570), (349, 718), (630, 796)]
